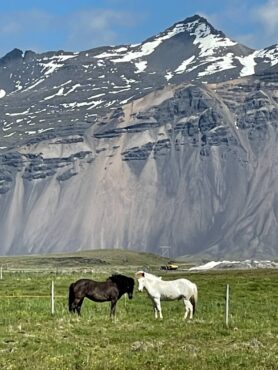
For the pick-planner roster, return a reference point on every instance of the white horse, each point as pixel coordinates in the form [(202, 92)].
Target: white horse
[(161, 290)]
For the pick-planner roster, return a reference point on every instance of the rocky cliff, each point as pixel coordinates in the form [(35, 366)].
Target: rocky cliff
[(169, 142)]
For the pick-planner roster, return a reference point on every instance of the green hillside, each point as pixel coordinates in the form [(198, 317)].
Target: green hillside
[(84, 259)]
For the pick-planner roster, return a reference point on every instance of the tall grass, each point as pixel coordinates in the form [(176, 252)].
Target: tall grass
[(31, 338)]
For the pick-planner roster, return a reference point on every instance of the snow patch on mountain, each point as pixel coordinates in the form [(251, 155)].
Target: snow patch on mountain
[(247, 264), (169, 75), (219, 64), (209, 42), (270, 53), (141, 66), (96, 96), (182, 67), (73, 88), (113, 53), (18, 113), (248, 64), (53, 63), (60, 92), (34, 84), (146, 48), (2, 93)]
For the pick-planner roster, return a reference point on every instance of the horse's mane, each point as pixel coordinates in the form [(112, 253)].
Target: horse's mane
[(120, 279), (148, 275)]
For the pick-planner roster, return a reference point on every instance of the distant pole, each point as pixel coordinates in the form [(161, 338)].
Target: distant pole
[(52, 298), (165, 251), (227, 306), (1, 272)]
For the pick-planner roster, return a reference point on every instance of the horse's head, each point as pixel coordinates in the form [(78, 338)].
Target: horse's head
[(125, 284), (140, 275), (130, 287), (141, 284)]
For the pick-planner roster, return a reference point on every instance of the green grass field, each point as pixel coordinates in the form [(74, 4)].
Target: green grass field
[(31, 338)]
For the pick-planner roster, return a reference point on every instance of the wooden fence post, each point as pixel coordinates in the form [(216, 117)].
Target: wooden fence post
[(52, 298), (227, 305), (1, 272)]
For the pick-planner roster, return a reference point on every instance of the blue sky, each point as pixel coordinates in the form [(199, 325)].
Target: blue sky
[(75, 25)]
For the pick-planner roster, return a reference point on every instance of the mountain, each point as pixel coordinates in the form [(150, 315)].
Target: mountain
[(170, 142)]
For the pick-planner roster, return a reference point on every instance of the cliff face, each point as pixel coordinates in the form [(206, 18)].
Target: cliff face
[(191, 165)]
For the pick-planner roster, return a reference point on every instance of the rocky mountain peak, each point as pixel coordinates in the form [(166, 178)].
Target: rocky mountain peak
[(29, 55), (197, 22), (14, 55), (172, 141)]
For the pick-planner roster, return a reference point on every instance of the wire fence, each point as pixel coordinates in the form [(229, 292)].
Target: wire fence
[(53, 297)]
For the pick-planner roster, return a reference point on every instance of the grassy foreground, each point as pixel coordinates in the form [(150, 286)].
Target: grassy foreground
[(30, 338)]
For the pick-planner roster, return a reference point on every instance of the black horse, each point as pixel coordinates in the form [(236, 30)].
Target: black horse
[(100, 291)]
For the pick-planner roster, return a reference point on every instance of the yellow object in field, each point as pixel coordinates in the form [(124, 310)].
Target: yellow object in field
[(169, 266)]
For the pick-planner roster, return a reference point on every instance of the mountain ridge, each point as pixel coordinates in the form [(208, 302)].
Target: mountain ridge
[(167, 142)]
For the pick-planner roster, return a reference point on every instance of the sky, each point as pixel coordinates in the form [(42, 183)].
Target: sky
[(76, 25)]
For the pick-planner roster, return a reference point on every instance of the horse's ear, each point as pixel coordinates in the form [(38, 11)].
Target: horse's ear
[(139, 274)]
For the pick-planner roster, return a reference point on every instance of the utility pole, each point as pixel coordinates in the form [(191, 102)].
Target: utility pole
[(165, 251)]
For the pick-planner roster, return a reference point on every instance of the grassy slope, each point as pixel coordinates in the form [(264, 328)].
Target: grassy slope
[(100, 257)]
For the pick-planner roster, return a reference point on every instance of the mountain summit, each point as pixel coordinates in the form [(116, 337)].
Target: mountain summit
[(172, 141)]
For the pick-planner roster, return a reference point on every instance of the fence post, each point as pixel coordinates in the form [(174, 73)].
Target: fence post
[(227, 305), (1, 272), (52, 298)]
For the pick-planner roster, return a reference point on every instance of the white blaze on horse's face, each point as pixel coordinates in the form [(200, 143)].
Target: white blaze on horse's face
[(141, 284)]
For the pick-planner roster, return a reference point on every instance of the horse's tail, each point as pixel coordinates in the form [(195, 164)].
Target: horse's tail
[(71, 297), (194, 298)]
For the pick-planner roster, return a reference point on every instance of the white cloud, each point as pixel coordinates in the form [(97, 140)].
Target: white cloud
[(247, 22), (18, 22), (248, 39), (267, 16), (97, 27), (74, 31)]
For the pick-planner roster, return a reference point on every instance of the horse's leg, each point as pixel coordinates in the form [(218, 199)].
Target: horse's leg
[(73, 306), (78, 306), (158, 307), (188, 308), (154, 309), (113, 309)]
